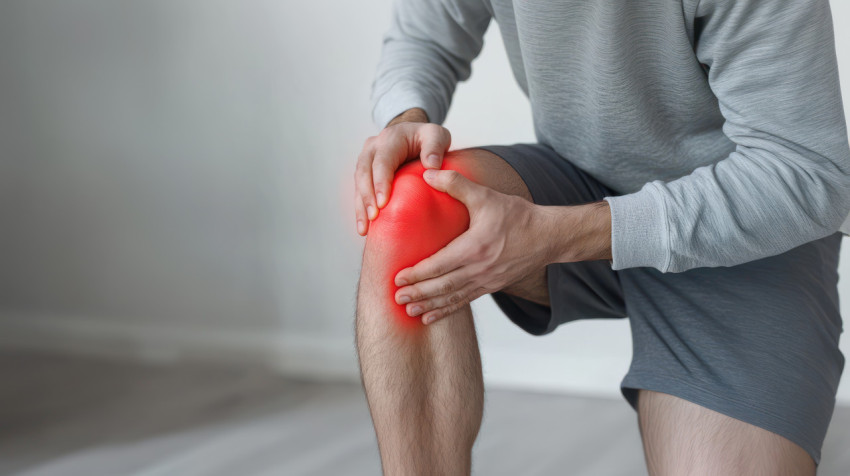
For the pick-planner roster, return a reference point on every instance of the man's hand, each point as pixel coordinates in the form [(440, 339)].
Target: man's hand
[(406, 137), (508, 239)]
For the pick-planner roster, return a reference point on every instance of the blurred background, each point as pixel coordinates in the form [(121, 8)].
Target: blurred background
[(178, 256)]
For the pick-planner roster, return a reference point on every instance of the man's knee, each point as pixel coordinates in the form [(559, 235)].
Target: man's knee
[(417, 222)]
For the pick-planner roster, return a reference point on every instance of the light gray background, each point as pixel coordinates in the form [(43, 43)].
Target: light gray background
[(175, 181)]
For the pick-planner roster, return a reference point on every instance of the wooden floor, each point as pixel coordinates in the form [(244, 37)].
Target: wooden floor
[(62, 416)]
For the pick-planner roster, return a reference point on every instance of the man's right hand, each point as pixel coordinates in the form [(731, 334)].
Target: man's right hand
[(406, 137)]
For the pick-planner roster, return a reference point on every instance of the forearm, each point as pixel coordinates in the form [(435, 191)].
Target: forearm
[(577, 233)]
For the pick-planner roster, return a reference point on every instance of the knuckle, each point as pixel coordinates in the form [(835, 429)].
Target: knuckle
[(359, 183), (446, 287), (430, 129), (435, 132), (385, 134), (452, 178), (456, 298), (480, 291), (431, 268), (380, 168), (447, 136), (479, 252), (362, 168)]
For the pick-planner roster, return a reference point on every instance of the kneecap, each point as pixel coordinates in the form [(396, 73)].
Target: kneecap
[(416, 223)]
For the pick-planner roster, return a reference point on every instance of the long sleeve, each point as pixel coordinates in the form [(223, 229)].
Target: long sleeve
[(427, 51), (773, 68)]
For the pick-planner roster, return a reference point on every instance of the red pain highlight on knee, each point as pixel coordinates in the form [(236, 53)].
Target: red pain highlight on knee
[(416, 223)]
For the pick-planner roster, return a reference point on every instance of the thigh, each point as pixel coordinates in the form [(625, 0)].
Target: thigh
[(490, 170), (681, 437), (561, 292), (756, 342)]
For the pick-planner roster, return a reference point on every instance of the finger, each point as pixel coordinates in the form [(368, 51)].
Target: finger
[(431, 289), (438, 302), (363, 182), (391, 151), (456, 185), (434, 141), (360, 215), (431, 317), (449, 258), (382, 175)]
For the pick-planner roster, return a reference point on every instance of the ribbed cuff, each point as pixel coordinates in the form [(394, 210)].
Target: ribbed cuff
[(401, 97), (639, 230)]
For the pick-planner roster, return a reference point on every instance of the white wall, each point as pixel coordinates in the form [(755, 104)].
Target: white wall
[(175, 179)]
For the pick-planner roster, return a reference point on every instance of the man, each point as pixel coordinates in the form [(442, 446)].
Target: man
[(691, 173)]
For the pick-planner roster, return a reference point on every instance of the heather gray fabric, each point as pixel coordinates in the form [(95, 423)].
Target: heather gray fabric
[(716, 124), (756, 341)]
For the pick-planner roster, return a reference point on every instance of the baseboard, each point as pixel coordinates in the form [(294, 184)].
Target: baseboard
[(301, 355), (293, 354)]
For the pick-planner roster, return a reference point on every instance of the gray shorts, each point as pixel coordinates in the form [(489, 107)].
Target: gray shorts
[(757, 342)]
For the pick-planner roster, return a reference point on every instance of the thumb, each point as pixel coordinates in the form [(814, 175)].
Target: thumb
[(455, 184), (434, 141)]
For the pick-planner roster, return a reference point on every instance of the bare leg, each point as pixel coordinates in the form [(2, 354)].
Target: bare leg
[(680, 437), (423, 383)]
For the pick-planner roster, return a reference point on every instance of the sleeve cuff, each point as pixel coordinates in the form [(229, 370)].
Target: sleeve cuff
[(639, 230), (401, 97)]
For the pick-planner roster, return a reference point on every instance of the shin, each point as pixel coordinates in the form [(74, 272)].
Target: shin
[(423, 383)]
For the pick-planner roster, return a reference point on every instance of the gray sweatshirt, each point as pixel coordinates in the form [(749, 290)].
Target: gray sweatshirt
[(719, 123)]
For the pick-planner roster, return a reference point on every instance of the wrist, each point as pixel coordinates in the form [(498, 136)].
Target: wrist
[(413, 114), (579, 232)]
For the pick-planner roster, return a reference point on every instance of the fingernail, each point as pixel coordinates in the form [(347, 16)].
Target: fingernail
[(380, 197), (430, 319), (433, 160), (429, 174), (404, 300), (415, 310), (401, 282), (360, 226), (372, 212)]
